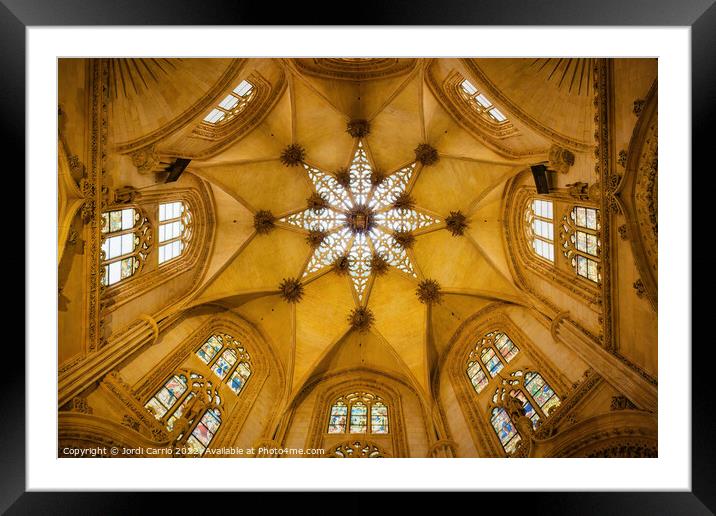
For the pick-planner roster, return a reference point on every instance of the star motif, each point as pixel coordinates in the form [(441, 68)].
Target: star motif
[(359, 220)]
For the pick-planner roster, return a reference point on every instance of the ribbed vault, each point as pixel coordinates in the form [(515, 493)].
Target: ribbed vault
[(313, 335)]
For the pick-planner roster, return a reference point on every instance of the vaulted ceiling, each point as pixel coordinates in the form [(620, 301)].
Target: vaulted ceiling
[(400, 101)]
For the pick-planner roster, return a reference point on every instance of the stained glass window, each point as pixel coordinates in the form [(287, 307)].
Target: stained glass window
[(338, 418), (174, 230), (360, 219), (494, 351), (530, 412), (541, 392), (125, 244), (479, 102), (477, 376), (379, 418), (580, 241), (190, 397), (505, 346), (358, 418), (531, 390), (167, 396), (358, 413), (491, 361), (233, 104), (227, 359), (540, 228), (505, 429), (204, 432)]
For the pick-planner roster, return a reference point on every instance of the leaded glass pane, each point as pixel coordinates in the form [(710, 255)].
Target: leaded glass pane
[(379, 418), (359, 416), (505, 429), (493, 364), (506, 347)]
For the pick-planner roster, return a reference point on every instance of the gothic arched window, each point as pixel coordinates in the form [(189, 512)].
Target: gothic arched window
[(358, 413), (227, 359), (505, 429), (125, 244), (480, 103), (533, 392), (233, 104), (580, 241), (174, 230), (540, 391), (539, 220), (189, 398), (490, 355)]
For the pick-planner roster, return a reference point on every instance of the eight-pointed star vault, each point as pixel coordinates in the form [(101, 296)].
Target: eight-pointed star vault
[(360, 219)]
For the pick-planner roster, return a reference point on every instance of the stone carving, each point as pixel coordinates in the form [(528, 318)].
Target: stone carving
[(125, 195), (638, 107), (622, 158), (293, 155), (361, 319), (579, 190), (79, 404), (358, 128), (426, 154), (639, 287), (560, 159), (145, 159), (621, 403), (429, 291), (264, 222), (291, 290), (130, 422), (456, 223), (623, 232), (357, 450)]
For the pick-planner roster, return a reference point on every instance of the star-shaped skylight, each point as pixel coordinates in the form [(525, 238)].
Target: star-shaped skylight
[(360, 220)]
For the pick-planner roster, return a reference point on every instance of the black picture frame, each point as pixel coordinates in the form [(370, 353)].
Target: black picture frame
[(700, 15)]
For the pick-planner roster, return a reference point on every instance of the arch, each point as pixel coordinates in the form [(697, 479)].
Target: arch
[(358, 412), (522, 392), (523, 258), (466, 347), (251, 349), (580, 241), (626, 433), (638, 193), (126, 243), (355, 69), (189, 405), (383, 387), (194, 255)]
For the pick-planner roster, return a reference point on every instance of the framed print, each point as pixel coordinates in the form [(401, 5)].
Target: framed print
[(436, 246)]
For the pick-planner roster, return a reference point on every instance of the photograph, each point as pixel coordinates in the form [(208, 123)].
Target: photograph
[(357, 257)]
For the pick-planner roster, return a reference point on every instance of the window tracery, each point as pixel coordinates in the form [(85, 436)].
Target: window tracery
[(580, 241), (358, 413), (189, 405), (227, 359), (174, 230), (480, 103), (360, 218), (532, 391), (126, 239), (539, 226), (357, 450), (233, 104), (489, 357)]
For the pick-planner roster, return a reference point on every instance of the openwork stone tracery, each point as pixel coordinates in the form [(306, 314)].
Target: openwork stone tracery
[(368, 221)]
